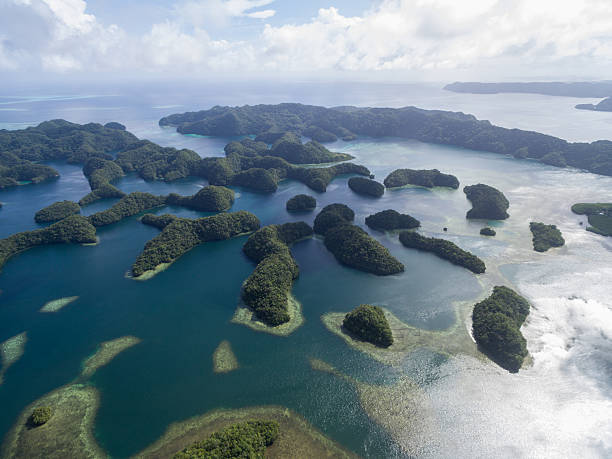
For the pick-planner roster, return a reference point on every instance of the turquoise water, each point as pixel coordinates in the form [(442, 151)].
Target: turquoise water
[(183, 313)]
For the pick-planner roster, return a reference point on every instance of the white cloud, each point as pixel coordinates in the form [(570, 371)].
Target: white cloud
[(518, 37)]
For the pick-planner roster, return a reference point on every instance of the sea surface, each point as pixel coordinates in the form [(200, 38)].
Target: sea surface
[(558, 406)]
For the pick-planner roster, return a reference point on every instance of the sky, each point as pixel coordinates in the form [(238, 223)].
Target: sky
[(414, 40)]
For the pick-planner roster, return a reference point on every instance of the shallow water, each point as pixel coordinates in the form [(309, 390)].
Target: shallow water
[(559, 406)]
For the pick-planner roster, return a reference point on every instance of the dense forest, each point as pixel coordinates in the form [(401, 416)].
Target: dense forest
[(366, 186), (369, 323), (266, 291), (56, 211), (496, 324), (211, 198), (444, 249), (599, 216), (545, 236), (487, 202), (424, 177), (389, 220), (433, 126), (301, 203)]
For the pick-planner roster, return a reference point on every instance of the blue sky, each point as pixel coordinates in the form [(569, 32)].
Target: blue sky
[(387, 40)]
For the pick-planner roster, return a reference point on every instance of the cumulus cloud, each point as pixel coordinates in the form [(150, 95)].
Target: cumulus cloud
[(395, 35)]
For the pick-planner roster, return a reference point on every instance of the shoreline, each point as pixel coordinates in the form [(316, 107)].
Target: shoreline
[(245, 316)]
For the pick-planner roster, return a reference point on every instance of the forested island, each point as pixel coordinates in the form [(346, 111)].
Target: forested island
[(210, 198), (301, 203), (444, 249), (129, 205), (247, 439), (487, 231), (545, 236), (496, 324), (389, 220), (433, 126), (180, 235), (351, 245), (366, 186), (487, 202), (369, 323), (427, 178), (266, 291), (603, 106), (599, 216), (550, 88), (73, 229), (57, 211)]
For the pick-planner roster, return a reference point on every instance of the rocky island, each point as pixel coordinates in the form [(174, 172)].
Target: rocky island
[(427, 178), (211, 198), (389, 220), (369, 323), (545, 236), (301, 203), (366, 186), (487, 202), (496, 324)]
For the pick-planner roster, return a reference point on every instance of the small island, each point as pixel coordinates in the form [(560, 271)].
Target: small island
[(496, 324), (40, 416), (604, 106), (267, 290), (389, 220), (487, 231), (444, 249), (211, 198), (332, 215), (545, 236), (246, 439), (599, 216), (301, 203), (426, 178), (366, 186), (369, 323), (129, 205), (57, 211), (487, 202), (74, 229), (183, 234)]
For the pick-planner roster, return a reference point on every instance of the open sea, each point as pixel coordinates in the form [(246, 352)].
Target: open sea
[(558, 406)]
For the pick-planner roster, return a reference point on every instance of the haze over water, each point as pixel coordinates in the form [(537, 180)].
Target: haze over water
[(559, 407)]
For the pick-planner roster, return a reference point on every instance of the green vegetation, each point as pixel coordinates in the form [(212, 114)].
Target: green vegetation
[(266, 291), (115, 125), (369, 323), (100, 172), (129, 205), (290, 148), (426, 178), (57, 211), (599, 216), (433, 126), (332, 215), (545, 236), (40, 416), (183, 234), (257, 179), (444, 249), (158, 221), (353, 247), (487, 202), (301, 203), (496, 323), (242, 440), (389, 220), (73, 229), (487, 231), (318, 178), (362, 185), (211, 198)]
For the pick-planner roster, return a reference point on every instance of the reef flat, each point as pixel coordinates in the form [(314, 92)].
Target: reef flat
[(11, 350), (246, 316), (224, 359), (56, 305)]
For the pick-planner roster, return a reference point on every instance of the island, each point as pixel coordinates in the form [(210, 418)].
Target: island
[(57, 211), (211, 198), (487, 231), (290, 148), (604, 106), (74, 229), (389, 220), (487, 202), (496, 324), (266, 291), (183, 234), (599, 216), (366, 186), (40, 416), (549, 88), (369, 323), (129, 205), (428, 178), (433, 126), (444, 249), (245, 439), (301, 203), (545, 236), (332, 215)]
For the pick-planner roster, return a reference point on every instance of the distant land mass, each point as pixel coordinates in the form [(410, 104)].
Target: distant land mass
[(603, 106), (433, 126), (553, 88)]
